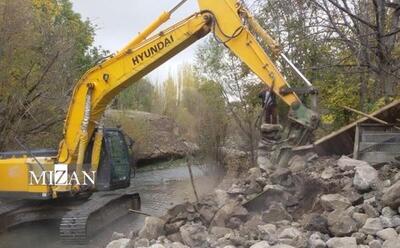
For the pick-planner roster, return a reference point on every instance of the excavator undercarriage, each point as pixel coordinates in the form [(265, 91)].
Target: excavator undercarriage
[(79, 218)]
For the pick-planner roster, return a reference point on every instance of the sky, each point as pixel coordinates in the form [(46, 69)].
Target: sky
[(118, 21)]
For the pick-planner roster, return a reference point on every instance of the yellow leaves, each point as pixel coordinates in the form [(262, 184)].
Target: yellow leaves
[(328, 119), (50, 7)]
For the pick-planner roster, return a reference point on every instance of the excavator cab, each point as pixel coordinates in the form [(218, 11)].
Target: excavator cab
[(114, 170)]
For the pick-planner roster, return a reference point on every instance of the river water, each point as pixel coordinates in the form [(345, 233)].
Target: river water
[(159, 189)]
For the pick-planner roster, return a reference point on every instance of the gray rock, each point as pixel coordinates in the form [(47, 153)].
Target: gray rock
[(372, 226), (194, 235), (220, 232), (177, 245), (375, 244), (347, 242), (340, 223), (387, 234), (276, 212), (386, 221), (369, 238), (388, 212), (221, 197), (277, 193), (236, 189), (254, 173), (328, 173), (396, 221), (316, 222), (315, 241), (157, 246), (261, 244), (282, 246), (394, 243), (360, 237), (370, 210), (264, 162), (234, 223), (289, 233), (267, 232), (354, 197), (120, 243), (332, 202), (232, 209), (360, 218), (391, 197), (142, 243), (365, 178), (117, 235), (345, 163), (176, 237), (171, 228), (153, 228)]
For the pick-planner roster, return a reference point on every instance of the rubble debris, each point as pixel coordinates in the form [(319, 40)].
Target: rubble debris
[(120, 243), (288, 208)]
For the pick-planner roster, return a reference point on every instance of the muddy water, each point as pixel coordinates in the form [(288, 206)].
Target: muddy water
[(159, 190)]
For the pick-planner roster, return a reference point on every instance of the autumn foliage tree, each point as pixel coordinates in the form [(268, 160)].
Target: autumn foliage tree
[(44, 48)]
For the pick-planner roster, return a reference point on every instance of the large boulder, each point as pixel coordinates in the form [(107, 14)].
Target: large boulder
[(120, 243), (341, 224), (332, 202), (194, 235), (372, 226), (365, 178), (346, 163), (387, 234), (153, 228), (348, 242), (157, 137)]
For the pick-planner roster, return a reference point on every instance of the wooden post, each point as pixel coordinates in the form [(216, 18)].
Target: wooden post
[(356, 142), (188, 162)]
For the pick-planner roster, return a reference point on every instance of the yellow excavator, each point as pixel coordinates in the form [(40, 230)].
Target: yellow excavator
[(92, 158)]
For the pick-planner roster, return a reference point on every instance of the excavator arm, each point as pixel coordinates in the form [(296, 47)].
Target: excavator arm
[(101, 84)]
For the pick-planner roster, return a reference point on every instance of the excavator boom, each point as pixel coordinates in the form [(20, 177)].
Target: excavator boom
[(144, 54)]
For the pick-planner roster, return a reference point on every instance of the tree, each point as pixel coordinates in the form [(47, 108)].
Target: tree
[(216, 63), (138, 96), (300, 28), (369, 30), (44, 48)]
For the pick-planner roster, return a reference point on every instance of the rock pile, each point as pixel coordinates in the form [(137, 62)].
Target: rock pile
[(333, 203)]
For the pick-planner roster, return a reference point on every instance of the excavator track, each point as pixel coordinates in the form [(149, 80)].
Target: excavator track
[(79, 224)]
